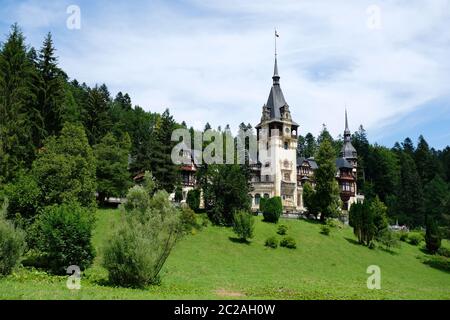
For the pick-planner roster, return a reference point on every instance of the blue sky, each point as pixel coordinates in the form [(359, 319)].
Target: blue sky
[(212, 61)]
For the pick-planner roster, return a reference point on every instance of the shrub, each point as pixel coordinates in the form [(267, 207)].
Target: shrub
[(178, 194), (445, 252), (415, 238), (271, 242), (432, 236), (273, 209), (282, 230), (137, 251), (388, 239), (188, 219), (262, 203), (288, 242), (12, 244), (24, 197), (243, 224), (64, 237), (325, 229), (439, 262), (193, 199), (403, 236)]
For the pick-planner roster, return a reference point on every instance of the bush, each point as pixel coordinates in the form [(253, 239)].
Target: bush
[(262, 203), (288, 242), (415, 238), (325, 229), (403, 236), (12, 244), (24, 197), (439, 262), (388, 239), (243, 224), (188, 219), (137, 251), (445, 252), (178, 194), (272, 210), (271, 242), (282, 230), (432, 236), (193, 199), (64, 237)]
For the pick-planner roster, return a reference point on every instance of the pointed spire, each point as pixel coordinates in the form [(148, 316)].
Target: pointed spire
[(276, 76), (347, 130)]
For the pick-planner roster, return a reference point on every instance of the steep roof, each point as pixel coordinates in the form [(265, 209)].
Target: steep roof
[(276, 100), (343, 163), (348, 151)]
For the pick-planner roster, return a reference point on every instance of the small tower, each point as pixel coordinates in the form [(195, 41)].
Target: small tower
[(348, 162), (348, 152)]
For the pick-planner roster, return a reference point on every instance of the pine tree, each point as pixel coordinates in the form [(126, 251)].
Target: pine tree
[(162, 167), (408, 146), (16, 100), (96, 119), (436, 197), (310, 145), (410, 198), (426, 163), (432, 236), (50, 89)]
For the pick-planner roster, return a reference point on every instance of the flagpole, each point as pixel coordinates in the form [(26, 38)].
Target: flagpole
[(275, 35)]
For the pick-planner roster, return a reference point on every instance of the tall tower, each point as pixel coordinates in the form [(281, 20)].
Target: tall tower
[(277, 145), (348, 152)]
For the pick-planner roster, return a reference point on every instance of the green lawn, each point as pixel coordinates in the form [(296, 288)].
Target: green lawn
[(209, 265)]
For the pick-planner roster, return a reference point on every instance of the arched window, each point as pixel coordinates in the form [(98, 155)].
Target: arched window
[(257, 199), (266, 195)]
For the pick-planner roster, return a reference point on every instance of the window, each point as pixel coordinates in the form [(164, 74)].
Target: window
[(287, 176), (267, 178), (286, 145), (257, 199), (266, 196)]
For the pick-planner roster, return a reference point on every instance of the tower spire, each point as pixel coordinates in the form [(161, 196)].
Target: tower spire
[(347, 130), (276, 77)]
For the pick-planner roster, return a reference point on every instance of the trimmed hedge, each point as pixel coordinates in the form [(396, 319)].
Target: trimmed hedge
[(271, 242), (272, 209), (193, 199), (288, 242)]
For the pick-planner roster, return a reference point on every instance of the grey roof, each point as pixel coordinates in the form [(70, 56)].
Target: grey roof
[(348, 151), (312, 163), (343, 163), (276, 99)]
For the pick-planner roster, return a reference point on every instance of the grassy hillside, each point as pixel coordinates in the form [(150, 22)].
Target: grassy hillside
[(211, 265)]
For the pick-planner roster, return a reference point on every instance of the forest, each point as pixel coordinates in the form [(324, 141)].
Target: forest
[(44, 111)]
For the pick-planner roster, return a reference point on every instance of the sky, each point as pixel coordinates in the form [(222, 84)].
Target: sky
[(387, 62)]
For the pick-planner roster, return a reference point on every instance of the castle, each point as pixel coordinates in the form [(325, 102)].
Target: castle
[(278, 170)]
